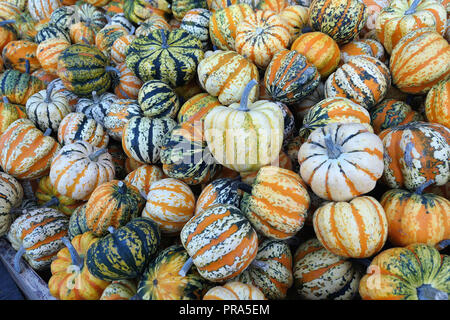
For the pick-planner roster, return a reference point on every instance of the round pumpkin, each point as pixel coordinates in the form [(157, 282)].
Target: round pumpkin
[(157, 99), (143, 177), (8, 32), (118, 114), (18, 86), (97, 107), (218, 191), (48, 51), (42, 9), (77, 222), (197, 107), (296, 17), (10, 112), (119, 290), (11, 195), (17, 52), (154, 22), (196, 22)]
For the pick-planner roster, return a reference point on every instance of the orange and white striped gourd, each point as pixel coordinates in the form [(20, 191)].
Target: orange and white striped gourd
[(234, 290), (143, 177), (437, 103), (42, 9), (48, 51)]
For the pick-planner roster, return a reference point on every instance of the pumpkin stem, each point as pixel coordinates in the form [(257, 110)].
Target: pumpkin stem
[(427, 292), (48, 92), (407, 156), (54, 201), (143, 194), (442, 244), (185, 269), (95, 96), (5, 100), (94, 156), (17, 258), (260, 264), (133, 29), (242, 185), (334, 150), (243, 105), (122, 187), (425, 185), (112, 69), (4, 22), (163, 39), (76, 259), (48, 132), (306, 29), (111, 229), (413, 7), (27, 66), (214, 48)]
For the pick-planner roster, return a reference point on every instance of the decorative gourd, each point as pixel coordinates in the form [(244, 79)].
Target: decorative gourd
[(125, 252), (91, 14), (300, 109), (271, 271), (157, 99), (353, 49), (118, 114), (277, 204), (221, 242), (332, 220), (340, 19), (76, 126), (25, 151), (417, 68), (104, 39), (16, 53), (77, 222), (437, 104), (403, 16), (223, 25), (51, 32), (97, 107), (9, 113), (83, 69), (142, 137), (126, 85), (44, 76), (143, 177), (391, 113), (162, 281), (154, 22), (218, 191), (415, 153), (181, 7), (8, 33), (374, 8), (334, 110), (82, 32), (137, 11), (9, 11), (296, 17), (120, 19), (260, 36), (113, 203), (63, 17), (39, 233), (283, 161), (377, 49), (40, 10), (414, 217), (415, 272), (196, 22), (119, 290), (185, 155), (71, 279), (272, 5), (170, 203), (341, 161), (47, 108), (48, 51), (18, 86), (224, 74), (119, 48), (289, 77), (171, 57), (320, 274), (78, 168), (250, 141), (197, 107), (72, 97), (234, 290), (49, 197), (11, 195), (363, 79)]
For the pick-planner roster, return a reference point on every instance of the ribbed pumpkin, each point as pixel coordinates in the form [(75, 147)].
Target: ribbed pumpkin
[(143, 177), (44, 76), (8, 33), (162, 280), (260, 36), (223, 25), (196, 22), (48, 51), (119, 48), (185, 155), (157, 99), (221, 242), (137, 10), (126, 85), (25, 151), (218, 191), (181, 7), (332, 220), (214, 5), (42, 9), (118, 114), (320, 274), (11, 195), (18, 86), (82, 32), (170, 203), (296, 17), (289, 77), (271, 271), (82, 68), (415, 153), (9, 113), (16, 53), (341, 161), (9, 11), (234, 290), (78, 168), (104, 39), (355, 48), (154, 22), (419, 61), (142, 137), (119, 290), (112, 203), (71, 279), (437, 103), (39, 233), (63, 17), (283, 161), (48, 32), (238, 136), (171, 57), (340, 19), (77, 222), (363, 79), (334, 110), (224, 74), (403, 16), (125, 252), (391, 113), (415, 272), (377, 49), (197, 107), (97, 107), (48, 196), (76, 126)]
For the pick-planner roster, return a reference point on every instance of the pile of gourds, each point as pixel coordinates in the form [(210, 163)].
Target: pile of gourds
[(212, 149)]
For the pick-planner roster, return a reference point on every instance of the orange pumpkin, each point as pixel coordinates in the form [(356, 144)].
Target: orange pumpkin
[(391, 113), (296, 18), (8, 33), (437, 104), (127, 85), (119, 47), (16, 53), (143, 177), (82, 32), (48, 52)]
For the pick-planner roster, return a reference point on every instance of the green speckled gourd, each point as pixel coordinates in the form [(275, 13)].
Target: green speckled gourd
[(50, 32), (125, 252), (161, 280), (83, 69), (157, 99), (63, 17), (181, 7), (18, 86), (77, 222), (169, 56)]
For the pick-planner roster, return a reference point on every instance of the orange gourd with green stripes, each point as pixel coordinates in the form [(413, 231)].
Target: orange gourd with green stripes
[(10, 112), (16, 53), (221, 190), (48, 51), (437, 103), (370, 233), (391, 113), (104, 39), (296, 17), (119, 47), (197, 107)]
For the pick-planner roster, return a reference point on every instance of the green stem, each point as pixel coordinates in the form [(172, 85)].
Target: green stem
[(425, 185), (427, 292), (76, 259), (17, 258), (187, 265), (334, 150), (94, 156), (54, 201), (413, 7), (48, 92), (243, 106)]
